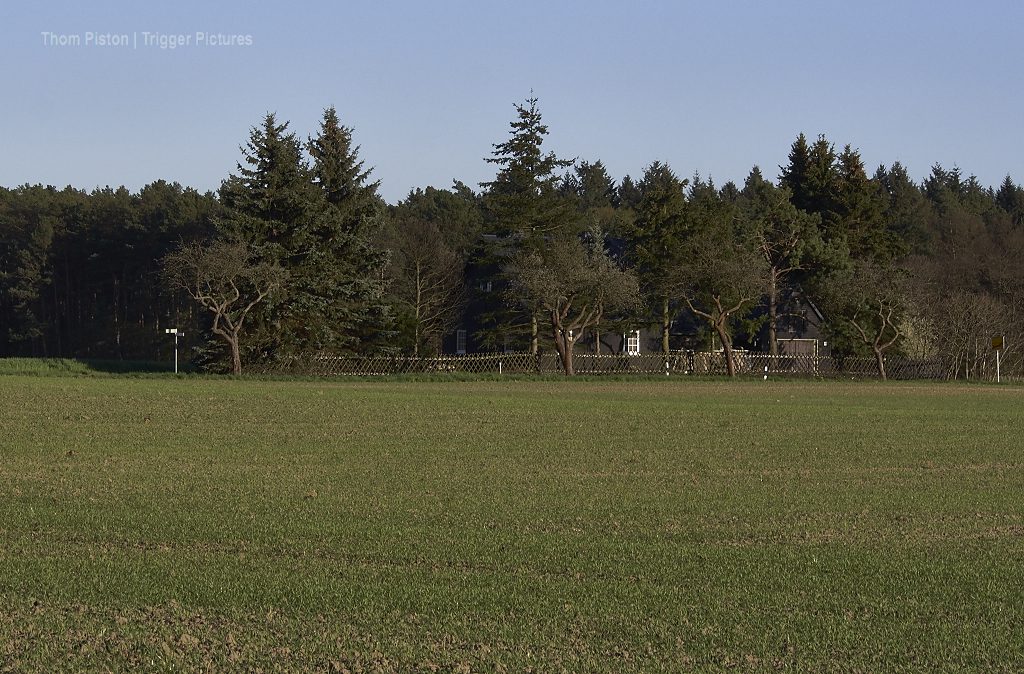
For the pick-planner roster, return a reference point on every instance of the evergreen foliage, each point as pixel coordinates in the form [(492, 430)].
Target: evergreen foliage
[(78, 270), (523, 206), (315, 221)]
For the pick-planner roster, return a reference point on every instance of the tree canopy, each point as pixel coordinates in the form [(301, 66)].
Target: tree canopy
[(542, 257)]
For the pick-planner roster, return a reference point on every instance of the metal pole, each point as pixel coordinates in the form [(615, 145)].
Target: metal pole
[(997, 365), (177, 335)]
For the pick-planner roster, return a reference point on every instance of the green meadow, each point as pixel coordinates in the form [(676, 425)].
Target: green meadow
[(186, 524)]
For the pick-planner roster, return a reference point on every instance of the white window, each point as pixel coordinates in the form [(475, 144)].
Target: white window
[(633, 343), (486, 286), (460, 342)]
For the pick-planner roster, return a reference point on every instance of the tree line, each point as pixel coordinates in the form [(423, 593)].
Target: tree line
[(298, 254)]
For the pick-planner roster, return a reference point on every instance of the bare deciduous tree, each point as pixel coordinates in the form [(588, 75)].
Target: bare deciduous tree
[(725, 273), (784, 234), (223, 278), (426, 277), (870, 297), (574, 283)]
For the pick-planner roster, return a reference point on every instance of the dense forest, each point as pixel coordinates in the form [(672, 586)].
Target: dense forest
[(297, 254)]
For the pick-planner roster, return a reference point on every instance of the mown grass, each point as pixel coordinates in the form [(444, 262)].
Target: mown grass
[(670, 526)]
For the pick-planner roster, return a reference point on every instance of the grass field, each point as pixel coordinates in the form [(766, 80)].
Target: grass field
[(622, 526)]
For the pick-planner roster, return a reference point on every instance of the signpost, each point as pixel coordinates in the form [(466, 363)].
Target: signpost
[(998, 344), (177, 335)]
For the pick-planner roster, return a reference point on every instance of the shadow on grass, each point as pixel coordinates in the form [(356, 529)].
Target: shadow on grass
[(81, 366)]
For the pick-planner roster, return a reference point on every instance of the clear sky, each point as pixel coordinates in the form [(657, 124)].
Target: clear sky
[(712, 87)]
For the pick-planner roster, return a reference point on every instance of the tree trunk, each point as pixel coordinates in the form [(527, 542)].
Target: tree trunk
[(567, 357), (563, 345), (236, 356), (664, 325), (880, 362), (419, 305), (773, 315), (723, 336), (56, 319), (534, 341), (597, 340), (117, 325)]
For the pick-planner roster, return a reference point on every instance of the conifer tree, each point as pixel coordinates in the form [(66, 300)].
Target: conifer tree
[(793, 176), (523, 199), (315, 222), (270, 196), (347, 276), (906, 211), (523, 204), (1010, 198), (340, 175), (655, 241), (857, 214)]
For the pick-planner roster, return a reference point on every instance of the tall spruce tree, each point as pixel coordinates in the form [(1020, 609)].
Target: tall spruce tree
[(315, 222), (1010, 198), (793, 175), (812, 178), (907, 212), (349, 281), (270, 206), (270, 196), (524, 199), (341, 176), (858, 211), (523, 205)]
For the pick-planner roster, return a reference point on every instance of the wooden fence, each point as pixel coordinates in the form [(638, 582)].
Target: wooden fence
[(676, 363)]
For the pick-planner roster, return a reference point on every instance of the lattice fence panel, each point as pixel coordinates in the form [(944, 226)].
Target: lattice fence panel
[(676, 363)]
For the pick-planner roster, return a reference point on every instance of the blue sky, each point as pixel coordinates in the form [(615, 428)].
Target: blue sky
[(709, 87)]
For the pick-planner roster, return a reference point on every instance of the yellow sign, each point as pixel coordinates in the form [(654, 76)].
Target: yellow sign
[(997, 343)]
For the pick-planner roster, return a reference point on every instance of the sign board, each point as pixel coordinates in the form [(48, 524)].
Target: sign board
[(997, 343)]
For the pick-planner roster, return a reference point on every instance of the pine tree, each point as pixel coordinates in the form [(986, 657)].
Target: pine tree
[(822, 183), (341, 176), (1010, 198), (628, 194), (591, 185), (907, 212)]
